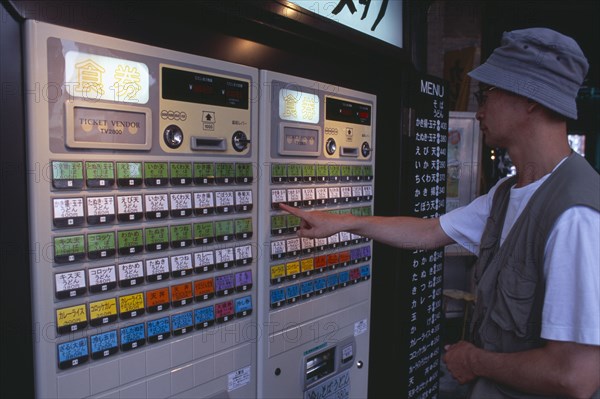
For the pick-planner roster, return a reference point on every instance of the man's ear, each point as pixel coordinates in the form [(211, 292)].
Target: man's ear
[(531, 105)]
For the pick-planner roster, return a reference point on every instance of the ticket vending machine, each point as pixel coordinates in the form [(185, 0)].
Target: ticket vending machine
[(143, 191), (316, 153)]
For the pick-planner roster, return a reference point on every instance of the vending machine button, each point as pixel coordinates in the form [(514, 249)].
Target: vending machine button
[(156, 174)]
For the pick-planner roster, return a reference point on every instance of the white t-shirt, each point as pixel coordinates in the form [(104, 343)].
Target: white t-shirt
[(571, 309)]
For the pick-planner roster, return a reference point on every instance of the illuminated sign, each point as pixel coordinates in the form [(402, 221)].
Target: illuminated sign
[(381, 19), (97, 77), (298, 106)]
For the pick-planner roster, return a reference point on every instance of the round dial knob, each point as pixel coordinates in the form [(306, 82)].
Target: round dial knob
[(365, 149), (173, 136), (330, 146), (239, 141)]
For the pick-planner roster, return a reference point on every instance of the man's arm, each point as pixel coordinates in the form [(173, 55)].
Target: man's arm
[(559, 368), (398, 231)]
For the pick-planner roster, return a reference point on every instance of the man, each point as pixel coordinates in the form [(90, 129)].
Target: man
[(536, 323)]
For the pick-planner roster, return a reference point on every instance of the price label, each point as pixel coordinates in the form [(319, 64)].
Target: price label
[(72, 353), (101, 245), (104, 344), (292, 293), (294, 173), (225, 173), (157, 206), (294, 196), (181, 173), (346, 172), (70, 284), (309, 172), (334, 195), (368, 172), (182, 323), (225, 284), (181, 204), (204, 289), (224, 311), (132, 337), (243, 228), (157, 238), (158, 330), (99, 174), (181, 235), (346, 193), (156, 173), (243, 255), (131, 305), (307, 266), (204, 317), (307, 244), (204, 203), (320, 285), (103, 312), (277, 249), (243, 201), (129, 207), (278, 224), (278, 196), (357, 172), (367, 193), (320, 244), (100, 210), (224, 258), (102, 278), (130, 241), (357, 193), (204, 173), (332, 282), (277, 296), (67, 175), (293, 222), (344, 278), (224, 230), (68, 212), (243, 306), (204, 233), (71, 319), (69, 249), (182, 294), (204, 261), (225, 201), (131, 274), (307, 289), (308, 196), (322, 173), (243, 173), (278, 173), (277, 274), (292, 269), (129, 174), (181, 265), (293, 246), (157, 300), (157, 269), (322, 195), (334, 173), (243, 280)]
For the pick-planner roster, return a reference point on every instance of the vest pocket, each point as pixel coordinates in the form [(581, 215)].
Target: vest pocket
[(514, 299)]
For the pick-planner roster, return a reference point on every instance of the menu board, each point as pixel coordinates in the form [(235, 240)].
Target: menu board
[(426, 187)]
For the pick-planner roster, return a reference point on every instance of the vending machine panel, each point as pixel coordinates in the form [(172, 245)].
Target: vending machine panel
[(143, 192), (317, 153)]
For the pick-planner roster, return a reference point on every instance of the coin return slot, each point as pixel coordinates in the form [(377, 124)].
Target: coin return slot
[(320, 365), (212, 144), (349, 152)]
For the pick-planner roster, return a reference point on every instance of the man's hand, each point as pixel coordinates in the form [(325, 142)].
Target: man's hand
[(458, 359), (317, 224)]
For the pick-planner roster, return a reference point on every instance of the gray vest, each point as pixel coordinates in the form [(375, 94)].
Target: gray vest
[(509, 278)]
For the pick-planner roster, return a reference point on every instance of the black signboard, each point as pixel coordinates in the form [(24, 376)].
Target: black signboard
[(426, 152)]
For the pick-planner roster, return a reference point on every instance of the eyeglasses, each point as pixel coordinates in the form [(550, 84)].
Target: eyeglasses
[(481, 95)]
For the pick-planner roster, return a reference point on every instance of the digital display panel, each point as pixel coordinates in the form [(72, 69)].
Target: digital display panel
[(156, 170), (243, 225), (243, 170), (129, 170), (204, 173), (63, 170), (347, 111), (224, 228), (201, 88), (101, 241), (203, 232), (181, 232), (130, 239), (181, 170), (157, 235), (299, 140), (68, 249)]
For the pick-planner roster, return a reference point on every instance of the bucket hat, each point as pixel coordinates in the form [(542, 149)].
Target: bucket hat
[(538, 63)]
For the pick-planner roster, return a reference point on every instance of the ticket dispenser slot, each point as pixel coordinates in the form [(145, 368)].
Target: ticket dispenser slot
[(143, 219), (316, 291)]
